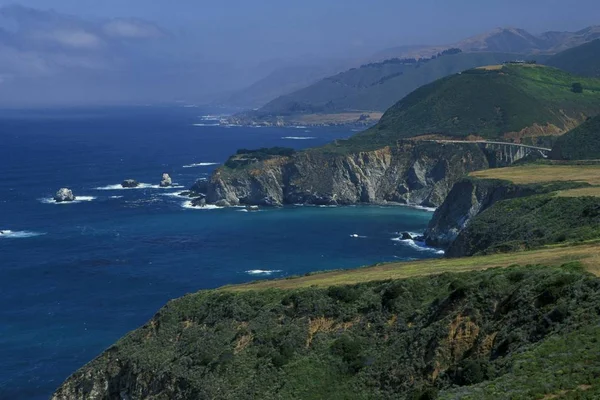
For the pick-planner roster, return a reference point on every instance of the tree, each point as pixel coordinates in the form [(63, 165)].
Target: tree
[(577, 88)]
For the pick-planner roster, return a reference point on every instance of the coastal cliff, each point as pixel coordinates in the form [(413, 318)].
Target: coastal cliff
[(469, 198), (410, 172)]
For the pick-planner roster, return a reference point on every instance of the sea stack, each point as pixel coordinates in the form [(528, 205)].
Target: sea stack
[(166, 181), (64, 195), (130, 183)]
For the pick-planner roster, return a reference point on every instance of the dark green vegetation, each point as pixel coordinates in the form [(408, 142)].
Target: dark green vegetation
[(529, 222), (245, 157), (581, 143), (490, 103), (377, 86), (530, 332), (582, 60)]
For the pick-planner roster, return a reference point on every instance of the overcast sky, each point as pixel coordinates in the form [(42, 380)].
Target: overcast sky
[(80, 51), (270, 28)]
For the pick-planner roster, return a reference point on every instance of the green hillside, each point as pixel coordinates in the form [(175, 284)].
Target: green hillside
[(582, 143), (582, 60), (532, 332), (377, 86), (488, 102)]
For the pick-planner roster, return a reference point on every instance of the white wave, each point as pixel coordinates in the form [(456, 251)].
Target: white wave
[(78, 199), (416, 207), (188, 204), (212, 117), (116, 197), (299, 127), (173, 194), (140, 186), (202, 164), (357, 236), (420, 246), (7, 234), (328, 206), (206, 124), (298, 137), (262, 272)]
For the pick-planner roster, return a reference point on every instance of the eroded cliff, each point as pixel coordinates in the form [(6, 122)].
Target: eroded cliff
[(411, 172)]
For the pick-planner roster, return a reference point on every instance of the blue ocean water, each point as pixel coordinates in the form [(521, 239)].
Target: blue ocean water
[(76, 277)]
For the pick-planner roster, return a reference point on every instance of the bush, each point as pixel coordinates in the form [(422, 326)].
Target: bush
[(577, 88)]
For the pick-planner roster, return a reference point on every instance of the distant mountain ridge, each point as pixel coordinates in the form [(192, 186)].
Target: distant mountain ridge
[(384, 79), (503, 39), (582, 60)]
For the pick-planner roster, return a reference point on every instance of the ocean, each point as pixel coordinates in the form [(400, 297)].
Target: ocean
[(76, 277)]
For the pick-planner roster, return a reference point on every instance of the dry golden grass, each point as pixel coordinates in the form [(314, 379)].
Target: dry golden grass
[(588, 191), (587, 254), (544, 173), (491, 67), (340, 118)]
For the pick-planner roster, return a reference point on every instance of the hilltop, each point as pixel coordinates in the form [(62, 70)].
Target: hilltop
[(582, 60), (376, 86), (508, 102)]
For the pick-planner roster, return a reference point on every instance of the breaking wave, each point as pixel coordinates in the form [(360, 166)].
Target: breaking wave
[(140, 186), (263, 272), (7, 234), (419, 246), (202, 164), (78, 199)]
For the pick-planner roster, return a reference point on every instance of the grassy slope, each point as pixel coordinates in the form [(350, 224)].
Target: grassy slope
[(587, 254), (478, 332), (529, 222), (564, 215), (581, 143), (582, 60), (488, 103), (378, 86), (540, 173)]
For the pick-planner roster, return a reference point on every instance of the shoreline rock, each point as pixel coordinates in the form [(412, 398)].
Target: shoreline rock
[(64, 195), (130, 183), (166, 180)]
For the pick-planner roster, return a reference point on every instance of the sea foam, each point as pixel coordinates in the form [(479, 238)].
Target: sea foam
[(202, 164), (140, 186), (419, 246), (263, 272), (188, 205), (7, 234), (78, 199), (298, 137)]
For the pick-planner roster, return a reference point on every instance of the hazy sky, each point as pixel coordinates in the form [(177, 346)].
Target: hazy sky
[(269, 28), (86, 51)]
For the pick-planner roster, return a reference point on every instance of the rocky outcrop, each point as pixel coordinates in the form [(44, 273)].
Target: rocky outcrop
[(468, 198), (166, 181), (130, 183), (64, 195), (200, 186), (412, 172)]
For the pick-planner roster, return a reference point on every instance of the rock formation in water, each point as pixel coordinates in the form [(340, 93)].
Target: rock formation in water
[(166, 181), (64, 195), (130, 183)]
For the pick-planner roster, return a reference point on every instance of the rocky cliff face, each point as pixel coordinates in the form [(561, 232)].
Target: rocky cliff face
[(412, 172), (470, 197), (467, 199)]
